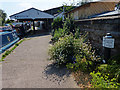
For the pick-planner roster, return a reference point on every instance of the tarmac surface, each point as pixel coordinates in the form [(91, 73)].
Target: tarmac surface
[(27, 67)]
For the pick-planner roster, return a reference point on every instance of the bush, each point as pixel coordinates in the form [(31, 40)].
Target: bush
[(58, 33), (77, 33), (111, 70), (114, 60), (100, 81), (62, 51), (61, 28), (57, 23), (85, 58), (69, 26), (76, 53)]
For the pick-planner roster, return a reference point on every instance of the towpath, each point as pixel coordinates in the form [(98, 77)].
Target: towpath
[(27, 67)]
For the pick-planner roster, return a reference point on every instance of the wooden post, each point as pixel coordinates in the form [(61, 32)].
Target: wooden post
[(33, 27)]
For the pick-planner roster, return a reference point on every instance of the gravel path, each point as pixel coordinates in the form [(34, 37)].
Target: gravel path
[(27, 67)]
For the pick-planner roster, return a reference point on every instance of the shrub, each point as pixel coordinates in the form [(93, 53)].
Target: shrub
[(85, 58), (58, 33), (69, 26), (111, 70), (61, 28), (100, 81), (57, 23), (114, 60), (62, 51), (77, 33)]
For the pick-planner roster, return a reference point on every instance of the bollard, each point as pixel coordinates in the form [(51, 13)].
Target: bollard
[(108, 44)]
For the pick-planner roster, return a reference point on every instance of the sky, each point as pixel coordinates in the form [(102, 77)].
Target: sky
[(14, 6)]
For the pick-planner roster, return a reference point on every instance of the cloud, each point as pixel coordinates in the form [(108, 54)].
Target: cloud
[(22, 0), (25, 5)]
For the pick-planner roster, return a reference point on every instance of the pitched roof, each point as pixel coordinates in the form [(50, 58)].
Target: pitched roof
[(31, 13), (115, 1), (53, 11)]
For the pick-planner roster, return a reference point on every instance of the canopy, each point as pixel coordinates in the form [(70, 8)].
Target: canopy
[(31, 13)]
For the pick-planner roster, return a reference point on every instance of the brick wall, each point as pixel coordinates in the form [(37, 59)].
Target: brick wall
[(98, 27)]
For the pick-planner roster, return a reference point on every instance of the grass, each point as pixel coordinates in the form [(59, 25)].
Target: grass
[(9, 51)]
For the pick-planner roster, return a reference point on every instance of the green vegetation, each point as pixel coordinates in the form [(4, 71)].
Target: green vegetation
[(3, 16), (58, 33), (85, 58), (62, 51), (62, 28), (57, 23), (109, 74), (73, 49), (67, 7), (9, 51), (8, 21), (100, 81)]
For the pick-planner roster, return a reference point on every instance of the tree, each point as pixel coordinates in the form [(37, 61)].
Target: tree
[(83, 2), (66, 8), (118, 6), (3, 16), (9, 21)]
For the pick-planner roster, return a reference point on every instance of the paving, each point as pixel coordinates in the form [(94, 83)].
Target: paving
[(28, 67)]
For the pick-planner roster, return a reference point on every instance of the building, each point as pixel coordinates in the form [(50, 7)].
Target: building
[(33, 15), (57, 12), (111, 13), (53, 11), (61, 15), (92, 8)]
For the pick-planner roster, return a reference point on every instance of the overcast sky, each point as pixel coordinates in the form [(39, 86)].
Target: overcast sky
[(15, 6)]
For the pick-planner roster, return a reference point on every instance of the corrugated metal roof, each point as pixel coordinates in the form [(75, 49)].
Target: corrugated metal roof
[(84, 5), (112, 13), (32, 13)]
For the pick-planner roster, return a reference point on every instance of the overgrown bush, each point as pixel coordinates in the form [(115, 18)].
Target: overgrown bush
[(69, 26), (85, 58), (77, 33), (75, 52), (100, 81), (62, 51), (58, 33), (111, 70), (57, 23), (73, 49)]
